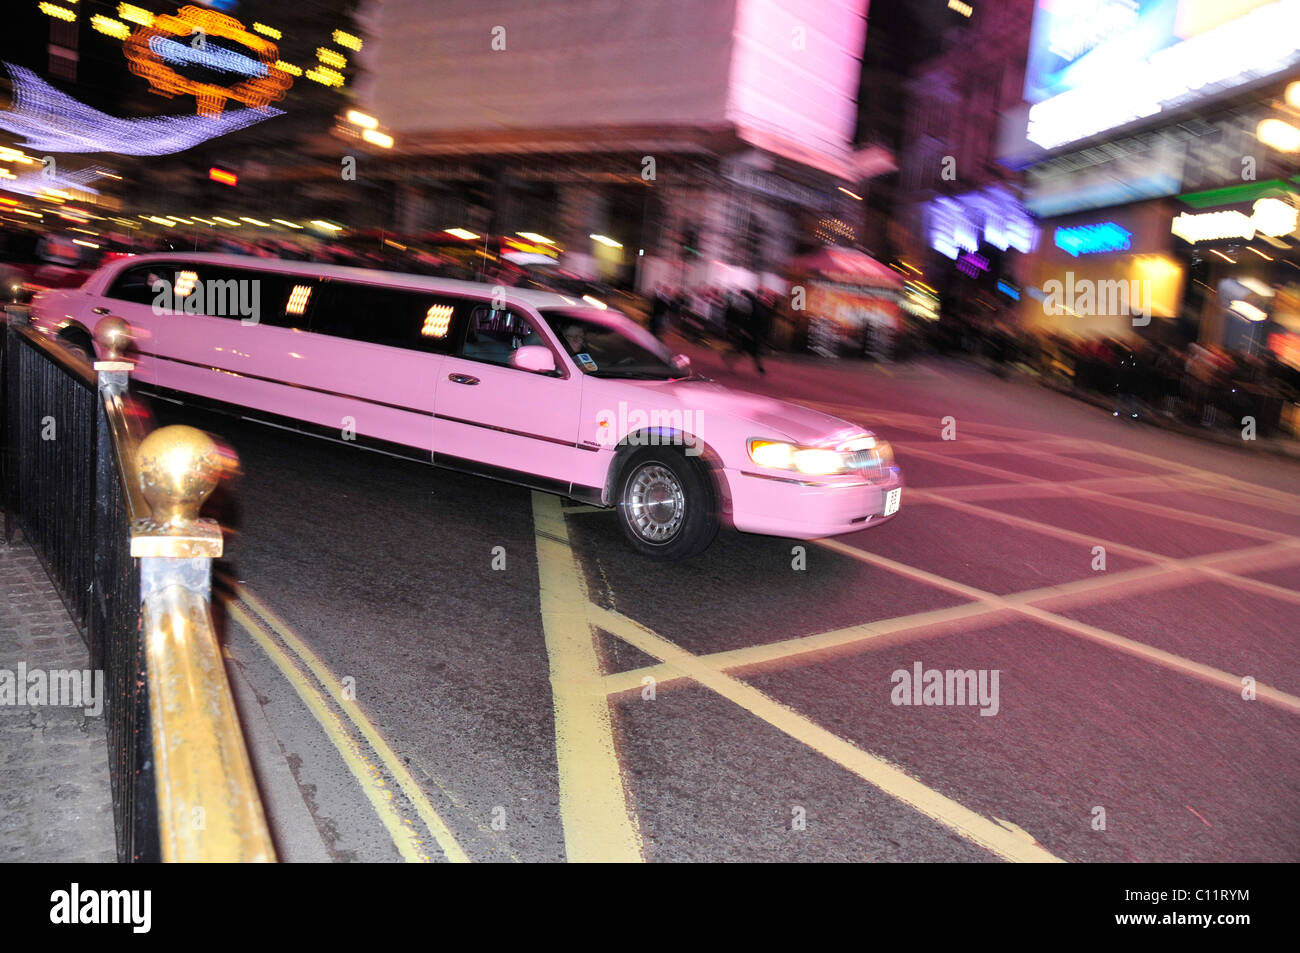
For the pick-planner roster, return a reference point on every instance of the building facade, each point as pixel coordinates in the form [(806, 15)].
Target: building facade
[(958, 214), (702, 141)]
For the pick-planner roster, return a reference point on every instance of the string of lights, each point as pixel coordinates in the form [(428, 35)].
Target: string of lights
[(53, 121)]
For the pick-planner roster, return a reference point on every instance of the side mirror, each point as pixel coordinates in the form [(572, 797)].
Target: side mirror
[(682, 361), (533, 357)]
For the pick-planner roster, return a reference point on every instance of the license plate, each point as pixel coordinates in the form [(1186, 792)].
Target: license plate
[(892, 500)]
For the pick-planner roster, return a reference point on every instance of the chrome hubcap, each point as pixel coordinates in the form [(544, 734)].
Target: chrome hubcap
[(655, 503)]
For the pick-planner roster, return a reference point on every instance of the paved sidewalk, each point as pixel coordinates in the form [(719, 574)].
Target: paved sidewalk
[(55, 800), (1281, 445)]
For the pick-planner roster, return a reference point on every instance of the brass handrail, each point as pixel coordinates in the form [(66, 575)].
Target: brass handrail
[(209, 809)]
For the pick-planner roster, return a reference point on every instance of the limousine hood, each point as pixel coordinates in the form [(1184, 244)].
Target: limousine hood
[(771, 417)]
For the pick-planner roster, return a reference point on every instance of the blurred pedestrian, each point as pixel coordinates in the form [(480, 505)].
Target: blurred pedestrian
[(659, 308), (748, 315)]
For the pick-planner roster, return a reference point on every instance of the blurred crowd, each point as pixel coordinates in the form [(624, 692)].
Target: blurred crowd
[(1206, 386)]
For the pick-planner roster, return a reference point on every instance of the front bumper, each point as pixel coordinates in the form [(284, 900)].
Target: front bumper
[(807, 508)]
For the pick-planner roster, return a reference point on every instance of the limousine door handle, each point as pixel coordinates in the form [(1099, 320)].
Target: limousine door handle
[(462, 379), (100, 310)]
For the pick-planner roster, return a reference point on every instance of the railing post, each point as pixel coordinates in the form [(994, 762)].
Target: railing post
[(208, 806)]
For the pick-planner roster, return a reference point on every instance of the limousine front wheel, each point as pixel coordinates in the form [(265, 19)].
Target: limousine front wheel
[(666, 505)]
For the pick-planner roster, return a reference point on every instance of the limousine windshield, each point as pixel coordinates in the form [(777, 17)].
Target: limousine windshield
[(610, 350)]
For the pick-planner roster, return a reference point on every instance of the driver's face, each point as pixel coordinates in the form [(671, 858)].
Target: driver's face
[(574, 335)]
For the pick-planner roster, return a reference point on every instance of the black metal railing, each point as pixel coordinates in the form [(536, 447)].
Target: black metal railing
[(64, 492), (112, 511)]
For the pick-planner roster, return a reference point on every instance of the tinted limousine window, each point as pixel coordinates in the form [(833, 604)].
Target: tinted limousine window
[(217, 291), (395, 317)]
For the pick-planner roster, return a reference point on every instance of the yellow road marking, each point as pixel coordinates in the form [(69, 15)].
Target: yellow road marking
[(401, 774), (890, 779), (1123, 501), (366, 774), (801, 649), (804, 648), (1141, 650), (751, 656), (593, 801)]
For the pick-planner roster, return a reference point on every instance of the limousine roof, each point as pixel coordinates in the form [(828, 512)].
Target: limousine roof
[(390, 279)]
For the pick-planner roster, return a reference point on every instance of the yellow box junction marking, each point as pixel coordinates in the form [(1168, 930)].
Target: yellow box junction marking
[(593, 801)]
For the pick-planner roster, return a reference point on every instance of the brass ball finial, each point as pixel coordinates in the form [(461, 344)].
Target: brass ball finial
[(113, 335), (179, 467)]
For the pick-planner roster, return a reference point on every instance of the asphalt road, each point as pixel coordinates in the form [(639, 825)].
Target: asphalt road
[(404, 699)]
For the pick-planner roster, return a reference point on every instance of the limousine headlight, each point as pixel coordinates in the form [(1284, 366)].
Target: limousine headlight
[(865, 453), (776, 455)]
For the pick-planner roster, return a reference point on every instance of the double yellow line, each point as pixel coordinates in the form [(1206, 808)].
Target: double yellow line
[(324, 699)]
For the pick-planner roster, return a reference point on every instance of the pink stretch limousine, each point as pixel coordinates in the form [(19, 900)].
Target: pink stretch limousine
[(530, 387)]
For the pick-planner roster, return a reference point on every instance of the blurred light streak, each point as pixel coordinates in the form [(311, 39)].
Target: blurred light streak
[(52, 121), (347, 40), (1278, 135), (110, 27), (133, 14), (59, 13)]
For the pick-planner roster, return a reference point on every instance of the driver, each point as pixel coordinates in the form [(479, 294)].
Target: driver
[(575, 336)]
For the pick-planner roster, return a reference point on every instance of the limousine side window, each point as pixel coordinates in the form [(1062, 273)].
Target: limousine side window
[(182, 287), (396, 317), (136, 284), (493, 334)]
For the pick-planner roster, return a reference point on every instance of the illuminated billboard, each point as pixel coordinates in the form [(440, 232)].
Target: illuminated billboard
[(1096, 65)]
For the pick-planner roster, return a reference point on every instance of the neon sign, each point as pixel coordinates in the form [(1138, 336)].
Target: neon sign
[(992, 215), (971, 264), (1091, 239), (1142, 68), (195, 26), (1271, 217)]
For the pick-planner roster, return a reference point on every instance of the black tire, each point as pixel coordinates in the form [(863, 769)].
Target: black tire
[(78, 341), (666, 504)]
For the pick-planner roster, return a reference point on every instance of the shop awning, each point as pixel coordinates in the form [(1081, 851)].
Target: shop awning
[(844, 266)]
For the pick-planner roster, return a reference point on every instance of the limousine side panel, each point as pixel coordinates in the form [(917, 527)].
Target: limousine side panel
[(509, 418), (354, 387)]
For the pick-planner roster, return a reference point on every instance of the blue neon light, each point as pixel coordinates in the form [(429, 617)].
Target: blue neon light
[(1009, 291), (1091, 239), (213, 57)]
